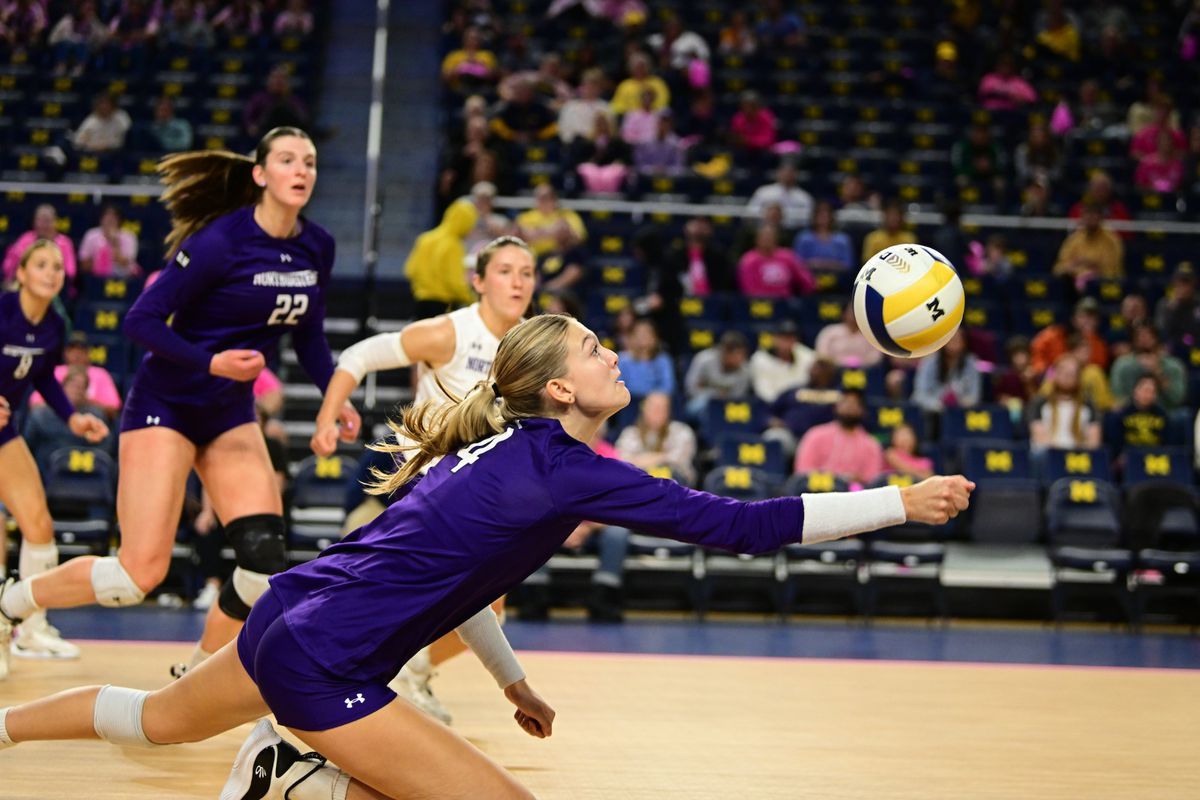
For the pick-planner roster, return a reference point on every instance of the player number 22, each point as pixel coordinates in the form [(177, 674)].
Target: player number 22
[(288, 309)]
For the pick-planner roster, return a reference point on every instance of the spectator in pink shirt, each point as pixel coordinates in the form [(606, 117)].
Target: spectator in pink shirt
[(1003, 89), (108, 250), (1162, 170), (101, 389), (843, 446), (902, 455), (297, 20), (773, 271), (45, 222), (753, 126), (1145, 142), (640, 125), (844, 344)]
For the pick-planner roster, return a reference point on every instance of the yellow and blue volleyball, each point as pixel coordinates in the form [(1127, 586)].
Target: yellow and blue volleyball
[(908, 300)]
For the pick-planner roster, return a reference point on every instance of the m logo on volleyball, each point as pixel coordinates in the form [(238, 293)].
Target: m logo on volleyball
[(358, 698)]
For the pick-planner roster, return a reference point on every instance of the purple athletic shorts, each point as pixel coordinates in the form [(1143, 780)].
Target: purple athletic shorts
[(9, 431), (303, 694), (199, 423)]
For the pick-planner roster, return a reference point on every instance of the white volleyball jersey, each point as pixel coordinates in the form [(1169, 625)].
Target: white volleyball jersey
[(474, 350)]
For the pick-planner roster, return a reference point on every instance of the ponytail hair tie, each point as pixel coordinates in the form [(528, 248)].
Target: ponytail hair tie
[(496, 390)]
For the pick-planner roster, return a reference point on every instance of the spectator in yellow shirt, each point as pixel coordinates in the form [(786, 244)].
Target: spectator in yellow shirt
[(436, 268), (539, 225), (470, 65), (1093, 251), (893, 232), (629, 91)]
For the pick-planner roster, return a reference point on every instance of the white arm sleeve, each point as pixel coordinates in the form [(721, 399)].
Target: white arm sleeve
[(482, 634), (379, 352), (838, 514)]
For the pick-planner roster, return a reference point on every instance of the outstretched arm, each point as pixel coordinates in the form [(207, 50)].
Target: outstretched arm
[(430, 341)]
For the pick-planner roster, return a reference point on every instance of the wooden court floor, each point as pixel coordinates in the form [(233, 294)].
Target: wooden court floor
[(634, 727)]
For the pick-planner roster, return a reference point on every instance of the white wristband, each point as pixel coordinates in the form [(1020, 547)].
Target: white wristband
[(482, 634), (379, 352), (838, 514)]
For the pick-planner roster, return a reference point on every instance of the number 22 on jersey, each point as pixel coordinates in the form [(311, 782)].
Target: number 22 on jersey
[(288, 309)]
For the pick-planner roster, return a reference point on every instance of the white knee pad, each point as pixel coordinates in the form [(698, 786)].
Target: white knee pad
[(37, 558), (249, 585), (117, 717), (112, 584)]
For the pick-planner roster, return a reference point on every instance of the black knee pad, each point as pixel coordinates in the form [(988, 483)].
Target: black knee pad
[(259, 543)]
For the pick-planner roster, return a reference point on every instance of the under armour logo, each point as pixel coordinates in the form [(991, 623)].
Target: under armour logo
[(285, 258), (935, 307), (259, 772), (182, 259), (358, 698), (152, 420), (29, 337)]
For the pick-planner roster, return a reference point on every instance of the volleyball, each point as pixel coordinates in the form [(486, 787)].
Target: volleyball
[(908, 300)]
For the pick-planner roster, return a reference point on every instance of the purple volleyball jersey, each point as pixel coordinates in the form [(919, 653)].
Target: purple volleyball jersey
[(233, 286), (477, 525), (28, 355)]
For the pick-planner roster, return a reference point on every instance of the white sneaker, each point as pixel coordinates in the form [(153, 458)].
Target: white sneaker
[(37, 638), (414, 687), (266, 768), (6, 628), (206, 597)]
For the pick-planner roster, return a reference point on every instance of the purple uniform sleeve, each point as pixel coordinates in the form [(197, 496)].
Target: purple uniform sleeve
[(196, 268), (588, 486), (312, 348), (52, 391)]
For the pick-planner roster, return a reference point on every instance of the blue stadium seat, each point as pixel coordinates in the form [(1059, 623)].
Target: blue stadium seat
[(1005, 507), (81, 494), (724, 417), (1074, 464), (100, 317), (981, 422), (711, 309), (883, 416), (737, 450), (318, 495), (1161, 464), (1084, 540)]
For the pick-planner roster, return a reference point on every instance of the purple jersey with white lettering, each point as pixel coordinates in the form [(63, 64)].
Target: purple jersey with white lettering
[(28, 355), (477, 525), (232, 286)]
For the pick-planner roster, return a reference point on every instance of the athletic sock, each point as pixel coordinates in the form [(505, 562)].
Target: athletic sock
[(17, 601), (199, 655), (5, 739), (37, 558)]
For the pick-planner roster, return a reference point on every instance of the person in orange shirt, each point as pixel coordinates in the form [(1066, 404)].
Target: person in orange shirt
[(1052, 342)]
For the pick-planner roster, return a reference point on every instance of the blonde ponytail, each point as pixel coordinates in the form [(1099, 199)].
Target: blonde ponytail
[(529, 356)]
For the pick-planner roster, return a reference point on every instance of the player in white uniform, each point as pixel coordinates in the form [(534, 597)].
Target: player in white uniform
[(457, 350)]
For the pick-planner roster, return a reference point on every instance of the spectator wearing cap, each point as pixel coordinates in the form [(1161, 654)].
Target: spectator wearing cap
[(1178, 314), (786, 365), (1092, 251), (844, 344), (45, 226), (1053, 341), (719, 373), (769, 270), (101, 389), (628, 95), (843, 446), (1149, 358), (797, 204)]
